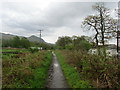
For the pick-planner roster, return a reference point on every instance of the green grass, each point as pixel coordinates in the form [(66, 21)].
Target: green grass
[(29, 71), (73, 77), (13, 50), (41, 73), (10, 55)]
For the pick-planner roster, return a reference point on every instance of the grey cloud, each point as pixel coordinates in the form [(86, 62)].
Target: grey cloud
[(61, 13), (29, 18)]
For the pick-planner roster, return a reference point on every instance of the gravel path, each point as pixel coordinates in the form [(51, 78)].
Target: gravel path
[(56, 78)]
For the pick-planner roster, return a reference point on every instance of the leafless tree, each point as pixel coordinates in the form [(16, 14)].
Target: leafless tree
[(91, 23), (103, 24)]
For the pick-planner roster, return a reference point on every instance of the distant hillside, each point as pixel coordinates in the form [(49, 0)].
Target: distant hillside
[(32, 38), (7, 36)]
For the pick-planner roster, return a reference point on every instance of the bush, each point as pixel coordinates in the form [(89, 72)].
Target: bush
[(29, 71), (33, 50), (101, 71)]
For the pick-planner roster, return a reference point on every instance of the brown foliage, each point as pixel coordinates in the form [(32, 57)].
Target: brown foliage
[(101, 71), (20, 68)]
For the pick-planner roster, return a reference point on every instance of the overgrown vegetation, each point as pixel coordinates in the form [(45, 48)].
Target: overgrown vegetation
[(33, 50), (13, 50), (100, 71), (73, 77), (28, 70)]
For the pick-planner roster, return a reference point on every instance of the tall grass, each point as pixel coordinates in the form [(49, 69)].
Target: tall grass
[(72, 75), (27, 71), (100, 71)]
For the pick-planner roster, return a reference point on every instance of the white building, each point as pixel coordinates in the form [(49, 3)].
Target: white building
[(39, 48), (109, 52)]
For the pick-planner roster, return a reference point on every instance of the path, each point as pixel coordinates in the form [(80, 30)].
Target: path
[(56, 78)]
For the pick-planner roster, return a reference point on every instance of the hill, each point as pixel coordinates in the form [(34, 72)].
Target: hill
[(32, 38)]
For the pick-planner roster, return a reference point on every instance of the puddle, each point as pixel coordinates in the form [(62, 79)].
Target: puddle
[(56, 65)]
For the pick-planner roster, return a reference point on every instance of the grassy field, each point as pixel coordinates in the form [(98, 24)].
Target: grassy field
[(26, 70), (84, 70), (13, 50)]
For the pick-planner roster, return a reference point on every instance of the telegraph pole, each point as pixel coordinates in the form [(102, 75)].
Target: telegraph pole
[(118, 41), (40, 35), (40, 38), (118, 32)]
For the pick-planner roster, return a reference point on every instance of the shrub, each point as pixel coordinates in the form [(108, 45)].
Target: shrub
[(29, 71), (99, 70), (33, 50)]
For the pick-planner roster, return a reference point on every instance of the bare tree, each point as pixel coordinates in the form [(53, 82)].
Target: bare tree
[(104, 25), (91, 23), (107, 24)]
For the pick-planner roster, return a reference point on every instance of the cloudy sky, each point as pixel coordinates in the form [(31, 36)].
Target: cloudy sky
[(55, 18)]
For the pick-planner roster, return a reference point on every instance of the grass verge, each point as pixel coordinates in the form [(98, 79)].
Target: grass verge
[(73, 77)]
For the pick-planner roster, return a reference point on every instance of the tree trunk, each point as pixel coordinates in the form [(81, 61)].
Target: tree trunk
[(102, 26), (96, 40)]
